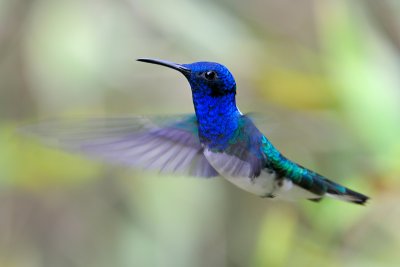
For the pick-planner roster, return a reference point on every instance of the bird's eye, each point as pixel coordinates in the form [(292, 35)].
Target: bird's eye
[(210, 75)]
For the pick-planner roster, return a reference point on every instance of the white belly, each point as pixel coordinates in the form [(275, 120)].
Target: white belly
[(261, 186), (265, 185)]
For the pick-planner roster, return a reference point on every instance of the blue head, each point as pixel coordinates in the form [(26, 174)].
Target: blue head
[(208, 78), (213, 90)]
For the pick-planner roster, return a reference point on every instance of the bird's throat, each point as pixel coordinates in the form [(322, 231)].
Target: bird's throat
[(218, 119)]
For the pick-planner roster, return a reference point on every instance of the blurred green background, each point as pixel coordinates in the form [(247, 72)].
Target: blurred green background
[(324, 75)]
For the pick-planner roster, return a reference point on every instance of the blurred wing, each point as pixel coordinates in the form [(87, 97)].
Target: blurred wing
[(167, 144)]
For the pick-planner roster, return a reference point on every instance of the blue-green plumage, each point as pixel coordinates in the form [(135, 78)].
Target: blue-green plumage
[(217, 141), (236, 148)]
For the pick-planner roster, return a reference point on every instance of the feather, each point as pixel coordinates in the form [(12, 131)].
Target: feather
[(167, 144), (241, 155)]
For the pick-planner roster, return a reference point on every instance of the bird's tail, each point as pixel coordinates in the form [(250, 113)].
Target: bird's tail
[(340, 192)]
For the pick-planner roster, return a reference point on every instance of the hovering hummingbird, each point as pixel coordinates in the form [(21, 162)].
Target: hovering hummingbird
[(217, 141)]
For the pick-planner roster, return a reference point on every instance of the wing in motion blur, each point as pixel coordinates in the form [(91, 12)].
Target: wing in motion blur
[(167, 144)]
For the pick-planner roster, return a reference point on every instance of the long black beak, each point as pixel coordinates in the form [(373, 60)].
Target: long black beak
[(185, 71)]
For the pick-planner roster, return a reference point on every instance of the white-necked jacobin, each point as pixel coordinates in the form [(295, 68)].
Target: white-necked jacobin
[(218, 140)]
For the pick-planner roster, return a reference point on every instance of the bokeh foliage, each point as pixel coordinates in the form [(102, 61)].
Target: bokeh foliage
[(322, 74)]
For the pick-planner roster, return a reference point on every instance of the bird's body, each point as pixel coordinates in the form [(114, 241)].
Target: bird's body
[(217, 141)]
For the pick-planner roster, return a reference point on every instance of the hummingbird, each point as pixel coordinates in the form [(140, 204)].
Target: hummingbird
[(218, 140)]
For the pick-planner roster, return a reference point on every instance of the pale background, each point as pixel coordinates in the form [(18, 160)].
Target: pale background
[(324, 75)]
